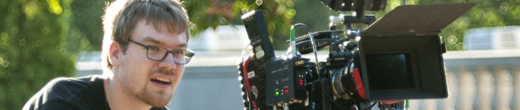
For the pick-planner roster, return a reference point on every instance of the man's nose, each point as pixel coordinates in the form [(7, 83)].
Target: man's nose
[(168, 62)]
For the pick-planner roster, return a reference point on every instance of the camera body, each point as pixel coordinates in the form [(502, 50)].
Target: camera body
[(393, 59)]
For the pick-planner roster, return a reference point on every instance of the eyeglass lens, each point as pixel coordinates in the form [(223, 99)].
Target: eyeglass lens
[(159, 53)]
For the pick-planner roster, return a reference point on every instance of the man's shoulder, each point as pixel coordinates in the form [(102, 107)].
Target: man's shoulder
[(71, 85), (66, 88), (67, 91)]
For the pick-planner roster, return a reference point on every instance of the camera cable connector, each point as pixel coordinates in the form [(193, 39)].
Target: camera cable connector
[(293, 42)]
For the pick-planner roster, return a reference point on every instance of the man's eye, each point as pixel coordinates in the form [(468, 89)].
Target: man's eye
[(154, 48), (179, 52)]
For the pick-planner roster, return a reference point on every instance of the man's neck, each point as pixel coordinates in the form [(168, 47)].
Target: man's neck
[(120, 100)]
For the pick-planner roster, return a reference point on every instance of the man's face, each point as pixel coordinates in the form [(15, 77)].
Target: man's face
[(144, 79)]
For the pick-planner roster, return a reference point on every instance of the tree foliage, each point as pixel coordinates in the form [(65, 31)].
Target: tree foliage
[(197, 11), (86, 25), (32, 40), (280, 14), (487, 13), (277, 13)]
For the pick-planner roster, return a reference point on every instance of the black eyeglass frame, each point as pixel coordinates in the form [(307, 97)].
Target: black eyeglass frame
[(189, 53)]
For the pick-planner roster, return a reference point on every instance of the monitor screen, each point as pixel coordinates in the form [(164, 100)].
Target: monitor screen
[(390, 71)]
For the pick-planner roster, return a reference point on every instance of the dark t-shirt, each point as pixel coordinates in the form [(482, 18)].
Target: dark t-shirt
[(82, 93)]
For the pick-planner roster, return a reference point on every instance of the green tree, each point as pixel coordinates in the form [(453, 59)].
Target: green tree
[(201, 19), (277, 13), (487, 13), (86, 25), (32, 48)]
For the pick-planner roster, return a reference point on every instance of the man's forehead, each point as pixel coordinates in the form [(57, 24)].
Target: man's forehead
[(163, 26), (167, 42), (168, 26)]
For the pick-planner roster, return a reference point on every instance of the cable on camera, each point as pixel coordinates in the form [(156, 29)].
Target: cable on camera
[(245, 65), (370, 107)]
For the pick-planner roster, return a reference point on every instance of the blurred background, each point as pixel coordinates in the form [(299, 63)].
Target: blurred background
[(44, 39)]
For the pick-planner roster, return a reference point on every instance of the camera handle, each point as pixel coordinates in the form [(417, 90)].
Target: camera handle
[(348, 20)]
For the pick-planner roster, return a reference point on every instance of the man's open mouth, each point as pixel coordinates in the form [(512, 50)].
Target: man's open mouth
[(161, 80)]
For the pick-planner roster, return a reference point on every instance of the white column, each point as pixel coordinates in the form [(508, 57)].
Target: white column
[(505, 89), (486, 88), (430, 104), (467, 89), (413, 104), (517, 87)]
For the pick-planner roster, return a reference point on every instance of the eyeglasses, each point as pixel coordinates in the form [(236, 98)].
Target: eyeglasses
[(157, 53)]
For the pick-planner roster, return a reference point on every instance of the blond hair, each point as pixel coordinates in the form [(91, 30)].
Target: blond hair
[(121, 17)]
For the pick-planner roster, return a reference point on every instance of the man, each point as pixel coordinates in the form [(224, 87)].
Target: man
[(144, 49)]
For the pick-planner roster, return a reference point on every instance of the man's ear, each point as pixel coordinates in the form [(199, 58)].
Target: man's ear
[(113, 54)]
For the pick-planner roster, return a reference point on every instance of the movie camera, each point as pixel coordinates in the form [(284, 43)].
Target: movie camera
[(398, 57)]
